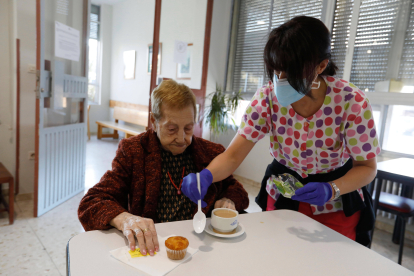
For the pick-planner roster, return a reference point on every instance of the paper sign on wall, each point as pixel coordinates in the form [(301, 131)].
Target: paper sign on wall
[(180, 52), (67, 42)]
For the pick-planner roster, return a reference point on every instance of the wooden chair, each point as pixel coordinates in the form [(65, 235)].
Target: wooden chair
[(6, 177), (137, 117)]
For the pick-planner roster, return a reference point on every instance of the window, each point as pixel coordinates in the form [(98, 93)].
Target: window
[(253, 28), (94, 57), (340, 33), (406, 70), (373, 42), (399, 135), (372, 45), (256, 19), (379, 45)]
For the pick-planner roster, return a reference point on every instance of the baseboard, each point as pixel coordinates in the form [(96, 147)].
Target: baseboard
[(247, 181), (19, 197), (387, 225)]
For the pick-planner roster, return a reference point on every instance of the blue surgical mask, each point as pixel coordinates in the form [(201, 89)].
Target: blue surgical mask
[(285, 93)]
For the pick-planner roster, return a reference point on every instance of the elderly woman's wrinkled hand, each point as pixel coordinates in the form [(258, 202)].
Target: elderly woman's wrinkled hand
[(225, 203), (141, 228)]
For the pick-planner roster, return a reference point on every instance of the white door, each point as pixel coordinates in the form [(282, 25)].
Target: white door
[(61, 102)]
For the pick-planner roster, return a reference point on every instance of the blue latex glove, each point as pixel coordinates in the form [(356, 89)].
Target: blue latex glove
[(189, 186), (316, 193)]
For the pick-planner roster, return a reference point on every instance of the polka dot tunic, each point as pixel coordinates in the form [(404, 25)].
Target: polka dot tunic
[(342, 128)]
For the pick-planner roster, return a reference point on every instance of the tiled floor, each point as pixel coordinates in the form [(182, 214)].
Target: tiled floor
[(36, 246)]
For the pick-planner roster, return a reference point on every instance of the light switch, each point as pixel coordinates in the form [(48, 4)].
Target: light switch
[(31, 68)]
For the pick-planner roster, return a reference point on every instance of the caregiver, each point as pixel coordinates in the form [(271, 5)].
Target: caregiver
[(321, 131)]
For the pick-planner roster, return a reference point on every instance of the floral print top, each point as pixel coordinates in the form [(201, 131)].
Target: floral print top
[(342, 128)]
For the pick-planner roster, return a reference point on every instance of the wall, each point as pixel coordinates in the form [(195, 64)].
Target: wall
[(254, 166), (220, 30), (183, 20), (132, 29), (101, 112), (7, 86), (26, 32)]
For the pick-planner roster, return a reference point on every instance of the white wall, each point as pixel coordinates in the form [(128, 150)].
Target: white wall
[(132, 29), (183, 20), (7, 87), (101, 112), (220, 30), (26, 32), (254, 166)]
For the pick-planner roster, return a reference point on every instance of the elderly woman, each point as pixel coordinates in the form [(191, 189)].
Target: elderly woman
[(144, 185)]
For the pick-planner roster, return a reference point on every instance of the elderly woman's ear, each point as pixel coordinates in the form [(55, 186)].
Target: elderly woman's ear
[(153, 122)]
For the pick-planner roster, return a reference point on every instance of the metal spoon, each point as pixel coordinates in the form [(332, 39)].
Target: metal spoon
[(199, 220)]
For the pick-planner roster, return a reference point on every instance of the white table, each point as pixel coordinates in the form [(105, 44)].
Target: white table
[(275, 243)]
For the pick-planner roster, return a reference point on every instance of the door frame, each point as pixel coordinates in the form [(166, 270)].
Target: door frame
[(199, 93)]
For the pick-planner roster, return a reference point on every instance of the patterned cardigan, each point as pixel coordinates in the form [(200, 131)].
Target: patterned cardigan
[(133, 184)]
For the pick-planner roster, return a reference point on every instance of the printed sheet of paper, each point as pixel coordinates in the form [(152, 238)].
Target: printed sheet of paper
[(180, 52), (67, 42)]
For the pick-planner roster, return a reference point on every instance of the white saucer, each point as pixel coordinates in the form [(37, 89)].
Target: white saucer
[(239, 231)]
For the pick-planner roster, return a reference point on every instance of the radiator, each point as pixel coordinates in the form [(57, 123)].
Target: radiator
[(61, 164)]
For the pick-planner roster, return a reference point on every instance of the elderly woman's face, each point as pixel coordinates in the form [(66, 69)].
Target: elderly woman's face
[(175, 128)]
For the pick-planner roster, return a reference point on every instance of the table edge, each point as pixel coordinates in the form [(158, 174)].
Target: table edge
[(68, 255)]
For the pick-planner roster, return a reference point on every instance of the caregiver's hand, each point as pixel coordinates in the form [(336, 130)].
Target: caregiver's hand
[(189, 186), (316, 193), (142, 228), (225, 203)]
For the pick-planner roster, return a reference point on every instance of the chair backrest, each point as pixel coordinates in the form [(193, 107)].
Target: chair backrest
[(132, 116)]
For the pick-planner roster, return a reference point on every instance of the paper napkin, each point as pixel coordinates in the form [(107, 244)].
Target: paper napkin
[(159, 264)]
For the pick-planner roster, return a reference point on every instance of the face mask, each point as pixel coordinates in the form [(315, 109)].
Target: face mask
[(285, 93)]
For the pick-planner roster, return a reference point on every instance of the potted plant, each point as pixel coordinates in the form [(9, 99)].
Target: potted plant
[(219, 114)]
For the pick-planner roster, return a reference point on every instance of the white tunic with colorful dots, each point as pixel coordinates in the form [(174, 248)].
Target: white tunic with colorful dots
[(342, 128)]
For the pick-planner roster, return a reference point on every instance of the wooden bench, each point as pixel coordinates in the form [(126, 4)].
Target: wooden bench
[(137, 116), (6, 177)]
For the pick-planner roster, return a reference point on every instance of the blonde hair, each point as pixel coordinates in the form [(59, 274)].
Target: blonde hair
[(173, 94)]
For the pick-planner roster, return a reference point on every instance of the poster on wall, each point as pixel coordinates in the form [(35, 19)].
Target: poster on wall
[(129, 64), (180, 51), (184, 69), (149, 59), (67, 42)]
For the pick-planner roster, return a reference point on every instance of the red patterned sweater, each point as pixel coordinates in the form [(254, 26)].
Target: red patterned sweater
[(133, 184)]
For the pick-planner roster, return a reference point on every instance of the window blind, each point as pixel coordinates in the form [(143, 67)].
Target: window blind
[(284, 10), (376, 24), (94, 22), (253, 27), (340, 33), (255, 20), (406, 70)]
